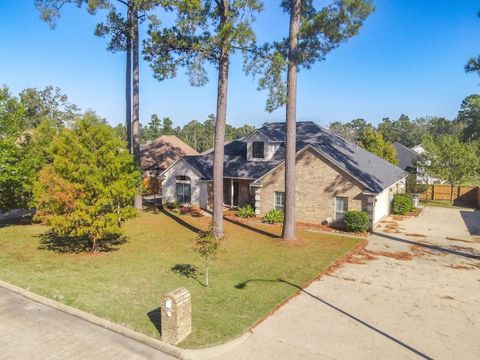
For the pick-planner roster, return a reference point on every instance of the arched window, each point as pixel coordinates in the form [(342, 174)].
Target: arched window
[(183, 189)]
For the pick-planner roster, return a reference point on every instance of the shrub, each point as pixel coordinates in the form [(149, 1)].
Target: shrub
[(273, 216), (402, 204), (171, 205), (246, 211), (357, 221)]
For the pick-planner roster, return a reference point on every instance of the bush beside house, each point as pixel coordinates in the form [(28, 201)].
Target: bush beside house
[(246, 211), (357, 221), (273, 216), (402, 204)]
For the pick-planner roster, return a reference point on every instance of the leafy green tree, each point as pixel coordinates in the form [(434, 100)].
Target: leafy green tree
[(167, 128), (469, 117), (402, 130), (374, 142), (448, 158), (86, 189), (153, 130), (312, 35), (205, 31), (48, 103), (27, 127), (15, 167), (351, 131), (438, 126), (121, 131)]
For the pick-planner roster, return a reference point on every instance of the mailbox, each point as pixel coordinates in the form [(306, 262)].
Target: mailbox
[(176, 316)]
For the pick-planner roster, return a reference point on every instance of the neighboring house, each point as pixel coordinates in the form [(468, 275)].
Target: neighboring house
[(422, 176), (161, 153), (406, 158), (333, 175)]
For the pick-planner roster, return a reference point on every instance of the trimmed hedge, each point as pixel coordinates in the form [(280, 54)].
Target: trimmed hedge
[(357, 221), (246, 211), (402, 204), (273, 216)]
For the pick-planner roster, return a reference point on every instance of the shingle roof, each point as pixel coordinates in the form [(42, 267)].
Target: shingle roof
[(164, 151), (375, 173), (406, 157)]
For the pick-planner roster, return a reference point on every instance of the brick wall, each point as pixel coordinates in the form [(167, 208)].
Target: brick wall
[(317, 185)]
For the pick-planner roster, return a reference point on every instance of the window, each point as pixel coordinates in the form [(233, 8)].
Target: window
[(183, 190), (258, 150), (279, 200), (341, 206)]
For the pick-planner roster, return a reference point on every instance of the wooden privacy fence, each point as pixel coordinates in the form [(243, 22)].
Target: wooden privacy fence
[(462, 195)]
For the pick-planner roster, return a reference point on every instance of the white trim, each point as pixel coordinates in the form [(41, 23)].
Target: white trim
[(186, 162), (245, 138)]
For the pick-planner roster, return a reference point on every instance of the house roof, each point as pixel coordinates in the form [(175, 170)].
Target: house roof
[(375, 173), (406, 157), (164, 151)]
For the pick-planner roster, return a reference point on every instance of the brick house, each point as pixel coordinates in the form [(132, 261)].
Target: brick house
[(333, 176)]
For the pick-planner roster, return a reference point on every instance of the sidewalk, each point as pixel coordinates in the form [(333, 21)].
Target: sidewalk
[(31, 331)]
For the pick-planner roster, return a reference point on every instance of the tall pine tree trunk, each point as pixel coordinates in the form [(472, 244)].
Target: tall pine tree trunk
[(291, 136), (221, 120), (136, 101), (128, 87)]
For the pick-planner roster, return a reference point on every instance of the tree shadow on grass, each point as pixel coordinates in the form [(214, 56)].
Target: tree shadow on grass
[(16, 221), (77, 244), (181, 222), (244, 284), (188, 271)]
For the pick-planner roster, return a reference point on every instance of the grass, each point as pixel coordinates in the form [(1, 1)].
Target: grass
[(127, 285), (444, 204)]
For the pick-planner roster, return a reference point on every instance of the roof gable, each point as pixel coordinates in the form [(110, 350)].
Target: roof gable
[(406, 157), (164, 151)]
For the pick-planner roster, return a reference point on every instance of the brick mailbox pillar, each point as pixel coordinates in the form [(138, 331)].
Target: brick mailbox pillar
[(176, 316)]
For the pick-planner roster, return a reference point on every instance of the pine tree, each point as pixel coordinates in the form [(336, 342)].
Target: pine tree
[(313, 34), (205, 31)]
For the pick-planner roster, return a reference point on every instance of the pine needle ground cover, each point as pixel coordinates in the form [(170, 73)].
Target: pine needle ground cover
[(253, 273)]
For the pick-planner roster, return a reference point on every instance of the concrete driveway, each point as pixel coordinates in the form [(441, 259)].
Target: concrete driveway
[(414, 292)]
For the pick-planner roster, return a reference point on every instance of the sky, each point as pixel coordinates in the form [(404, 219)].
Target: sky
[(408, 58)]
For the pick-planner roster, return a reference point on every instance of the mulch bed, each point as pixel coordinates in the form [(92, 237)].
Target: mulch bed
[(411, 214), (231, 215)]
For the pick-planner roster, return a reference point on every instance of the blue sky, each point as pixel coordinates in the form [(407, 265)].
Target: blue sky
[(408, 58)]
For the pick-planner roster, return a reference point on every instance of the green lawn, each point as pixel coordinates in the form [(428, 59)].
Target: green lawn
[(445, 204), (127, 285)]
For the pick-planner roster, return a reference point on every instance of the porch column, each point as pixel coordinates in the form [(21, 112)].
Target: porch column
[(231, 193)]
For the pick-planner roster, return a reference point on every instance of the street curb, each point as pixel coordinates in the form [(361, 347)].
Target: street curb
[(144, 339), (184, 354)]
